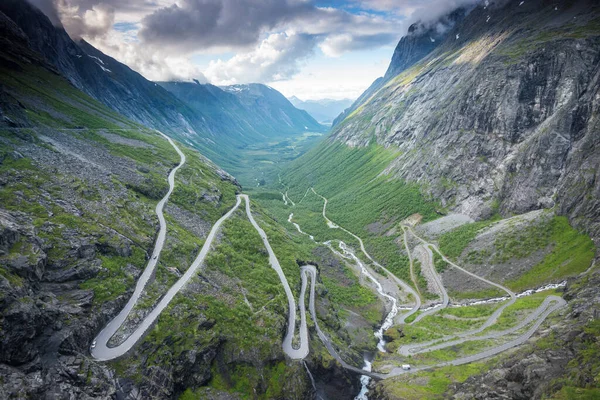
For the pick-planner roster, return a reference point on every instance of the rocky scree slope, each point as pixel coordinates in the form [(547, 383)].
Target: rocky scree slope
[(500, 116), (76, 224)]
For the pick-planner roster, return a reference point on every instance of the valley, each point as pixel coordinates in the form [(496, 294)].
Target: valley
[(175, 239)]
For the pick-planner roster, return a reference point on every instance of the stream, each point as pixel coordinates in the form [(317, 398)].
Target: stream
[(387, 323)]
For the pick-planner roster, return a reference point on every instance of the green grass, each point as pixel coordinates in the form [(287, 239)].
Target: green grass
[(476, 311), (569, 251), (572, 253), (430, 384), (358, 196), (113, 281), (439, 263), (514, 313), (454, 242), (352, 295), (64, 105)]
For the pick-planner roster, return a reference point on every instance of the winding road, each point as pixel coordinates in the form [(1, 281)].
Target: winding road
[(101, 351), (429, 264), (406, 287), (533, 320)]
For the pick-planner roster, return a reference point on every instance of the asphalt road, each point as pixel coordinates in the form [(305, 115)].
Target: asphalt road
[(406, 287), (438, 282), (302, 351), (535, 319), (101, 351)]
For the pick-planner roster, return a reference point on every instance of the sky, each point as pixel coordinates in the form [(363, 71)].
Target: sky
[(312, 49)]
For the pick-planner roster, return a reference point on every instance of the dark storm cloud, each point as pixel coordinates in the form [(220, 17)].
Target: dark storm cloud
[(197, 24)]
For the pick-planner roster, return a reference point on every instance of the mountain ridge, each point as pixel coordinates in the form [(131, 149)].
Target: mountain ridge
[(459, 69), (323, 110), (126, 91)]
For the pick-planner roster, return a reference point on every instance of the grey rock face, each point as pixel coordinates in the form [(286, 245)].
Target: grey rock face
[(502, 118)]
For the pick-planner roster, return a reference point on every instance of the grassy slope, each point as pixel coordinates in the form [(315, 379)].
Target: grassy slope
[(359, 195), (568, 252), (56, 105)]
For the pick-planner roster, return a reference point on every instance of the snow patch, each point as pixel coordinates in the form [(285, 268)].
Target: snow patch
[(96, 58), (103, 68)]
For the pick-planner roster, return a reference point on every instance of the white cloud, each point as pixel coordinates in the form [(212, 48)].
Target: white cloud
[(337, 78), (276, 58), (94, 22), (272, 39), (148, 61)]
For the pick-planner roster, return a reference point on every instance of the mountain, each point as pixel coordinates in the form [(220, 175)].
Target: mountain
[(447, 225), (420, 40), (492, 99), (80, 186), (208, 122), (324, 110), (102, 77), (494, 124), (248, 113)]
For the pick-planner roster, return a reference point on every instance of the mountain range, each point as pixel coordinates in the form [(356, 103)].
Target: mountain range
[(208, 117), (494, 118), (323, 110)]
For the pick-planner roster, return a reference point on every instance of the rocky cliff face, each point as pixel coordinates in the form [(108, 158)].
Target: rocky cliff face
[(420, 40), (501, 116), (78, 188)]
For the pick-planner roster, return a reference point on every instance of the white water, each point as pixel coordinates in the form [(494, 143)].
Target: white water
[(522, 294), (298, 227), (312, 380), (389, 319), (364, 380)]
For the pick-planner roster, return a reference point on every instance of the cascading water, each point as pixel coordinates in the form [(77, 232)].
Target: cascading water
[(389, 319), (387, 323), (312, 380), (364, 381)]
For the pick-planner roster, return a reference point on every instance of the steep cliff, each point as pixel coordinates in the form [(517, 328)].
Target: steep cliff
[(501, 116)]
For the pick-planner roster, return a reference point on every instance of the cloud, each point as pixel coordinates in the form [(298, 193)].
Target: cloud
[(195, 25), (336, 44), (91, 23), (155, 65), (202, 24), (277, 58), (271, 39)]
